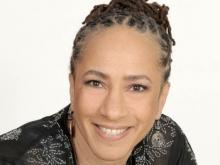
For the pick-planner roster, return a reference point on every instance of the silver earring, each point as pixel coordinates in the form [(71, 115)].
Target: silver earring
[(70, 122)]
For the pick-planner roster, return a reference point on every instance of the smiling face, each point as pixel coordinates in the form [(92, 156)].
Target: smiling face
[(116, 93)]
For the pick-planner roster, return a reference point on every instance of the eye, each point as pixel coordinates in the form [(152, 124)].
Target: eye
[(138, 88), (94, 83)]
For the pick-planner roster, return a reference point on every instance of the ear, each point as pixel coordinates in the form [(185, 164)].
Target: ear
[(162, 98), (72, 85)]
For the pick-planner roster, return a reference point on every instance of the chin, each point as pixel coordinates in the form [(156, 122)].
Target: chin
[(112, 154)]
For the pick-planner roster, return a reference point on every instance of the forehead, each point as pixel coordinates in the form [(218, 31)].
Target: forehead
[(120, 46), (123, 39), (123, 35)]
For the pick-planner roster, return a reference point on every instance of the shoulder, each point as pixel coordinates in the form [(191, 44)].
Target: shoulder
[(164, 144), (35, 137)]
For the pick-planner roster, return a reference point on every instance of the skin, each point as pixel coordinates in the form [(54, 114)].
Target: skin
[(115, 63)]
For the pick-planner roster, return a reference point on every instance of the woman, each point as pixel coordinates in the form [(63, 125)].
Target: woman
[(120, 66)]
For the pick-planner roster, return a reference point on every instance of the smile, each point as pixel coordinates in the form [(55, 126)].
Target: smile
[(111, 133)]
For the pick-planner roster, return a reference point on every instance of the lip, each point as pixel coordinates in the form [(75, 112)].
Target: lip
[(112, 137)]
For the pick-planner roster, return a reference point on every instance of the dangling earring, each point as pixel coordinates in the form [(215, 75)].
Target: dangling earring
[(70, 122), (71, 131)]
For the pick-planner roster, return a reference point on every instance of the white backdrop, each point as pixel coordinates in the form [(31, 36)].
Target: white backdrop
[(35, 46)]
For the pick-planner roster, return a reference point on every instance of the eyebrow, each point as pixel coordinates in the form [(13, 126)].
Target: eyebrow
[(126, 78), (136, 77), (96, 73)]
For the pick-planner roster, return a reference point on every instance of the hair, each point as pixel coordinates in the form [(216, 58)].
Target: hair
[(139, 14)]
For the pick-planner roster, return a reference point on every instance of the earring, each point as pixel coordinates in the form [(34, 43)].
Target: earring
[(70, 122), (71, 131)]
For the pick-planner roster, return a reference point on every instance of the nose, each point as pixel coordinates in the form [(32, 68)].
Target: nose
[(113, 106)]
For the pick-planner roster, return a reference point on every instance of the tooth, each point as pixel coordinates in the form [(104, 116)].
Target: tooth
[(118, 131), (108, 131), (114, 132), (111, 132), (104, 129)]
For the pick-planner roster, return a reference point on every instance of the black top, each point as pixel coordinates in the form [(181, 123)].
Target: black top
[(46, 142)]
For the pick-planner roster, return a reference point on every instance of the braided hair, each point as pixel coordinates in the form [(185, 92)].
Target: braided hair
[(138, 14)]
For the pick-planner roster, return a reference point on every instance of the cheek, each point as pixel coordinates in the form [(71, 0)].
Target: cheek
[(88, 101), (144, 108), (144, 112)]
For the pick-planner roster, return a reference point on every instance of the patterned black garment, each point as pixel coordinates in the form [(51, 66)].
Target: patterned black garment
[(46, 142)]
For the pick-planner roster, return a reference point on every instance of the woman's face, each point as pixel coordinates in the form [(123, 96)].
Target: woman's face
[(117, 93)]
